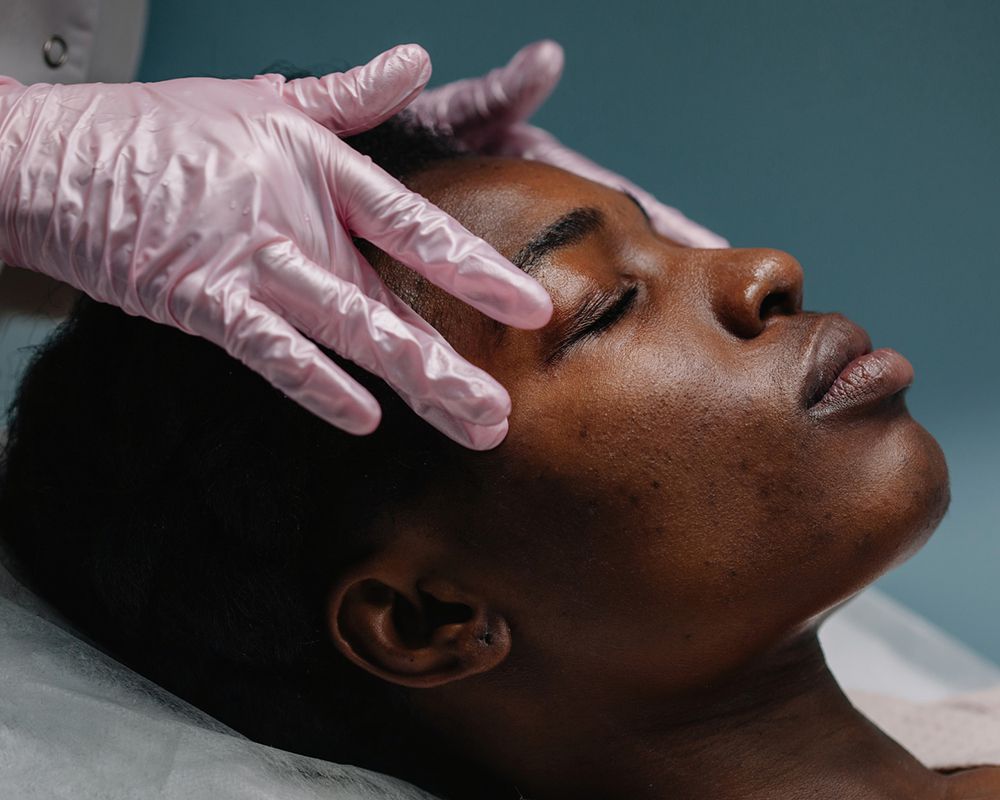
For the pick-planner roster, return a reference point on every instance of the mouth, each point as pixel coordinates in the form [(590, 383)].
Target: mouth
[(847, 373)]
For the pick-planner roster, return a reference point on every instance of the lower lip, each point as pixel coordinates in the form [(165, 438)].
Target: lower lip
[(866, 380)]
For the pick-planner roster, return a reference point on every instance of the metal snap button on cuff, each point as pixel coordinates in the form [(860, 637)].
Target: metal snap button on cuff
[(56, 51)]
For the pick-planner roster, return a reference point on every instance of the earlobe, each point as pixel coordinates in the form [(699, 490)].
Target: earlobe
[(420, 634)]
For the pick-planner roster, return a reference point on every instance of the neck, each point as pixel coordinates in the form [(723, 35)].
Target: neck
[(781, 729)]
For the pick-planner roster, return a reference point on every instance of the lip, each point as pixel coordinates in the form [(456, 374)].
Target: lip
[(846, 373)]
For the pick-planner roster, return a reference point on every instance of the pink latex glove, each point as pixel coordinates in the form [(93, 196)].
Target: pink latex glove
[(226, 208), (488, 115)]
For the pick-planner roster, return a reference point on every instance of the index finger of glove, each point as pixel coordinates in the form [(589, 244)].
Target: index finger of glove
[(415, 232), (363, 97)]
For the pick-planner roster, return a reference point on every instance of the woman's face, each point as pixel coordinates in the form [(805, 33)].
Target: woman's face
[(666, 504)]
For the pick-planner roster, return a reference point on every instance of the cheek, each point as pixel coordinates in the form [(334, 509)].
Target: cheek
[(746, 510), (636, 461), (692, 489), (887, 489)]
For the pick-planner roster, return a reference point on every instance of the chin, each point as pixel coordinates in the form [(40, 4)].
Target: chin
[(920, 490), (894, 494), (912, 496)]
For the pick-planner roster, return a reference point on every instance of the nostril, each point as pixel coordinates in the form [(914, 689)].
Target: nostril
[(776, 303)]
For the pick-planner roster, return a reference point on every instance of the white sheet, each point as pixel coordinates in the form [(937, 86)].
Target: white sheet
[(74, 725), (875, 644)]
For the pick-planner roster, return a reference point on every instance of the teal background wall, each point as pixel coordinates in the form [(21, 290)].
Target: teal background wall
[(862, 137)]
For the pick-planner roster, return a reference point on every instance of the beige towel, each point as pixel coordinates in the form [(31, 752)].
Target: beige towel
[(962, 731)]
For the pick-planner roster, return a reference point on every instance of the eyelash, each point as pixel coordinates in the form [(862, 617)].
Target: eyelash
[(601, 317)]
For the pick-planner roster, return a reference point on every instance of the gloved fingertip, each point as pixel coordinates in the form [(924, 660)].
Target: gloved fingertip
[(359, 424), (349, 407), (8, 83), (499, 408), (486, 437), (529, 78), (366, 96), (534, 309), (520, 305), (414, 61), (545, 56)]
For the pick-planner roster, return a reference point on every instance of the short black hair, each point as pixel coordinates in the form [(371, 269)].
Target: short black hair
[(190, 518)]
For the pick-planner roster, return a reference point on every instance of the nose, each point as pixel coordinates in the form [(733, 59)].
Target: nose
[(752, 287)]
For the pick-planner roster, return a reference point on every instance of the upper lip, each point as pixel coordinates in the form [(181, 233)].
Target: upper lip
[(836, 343)]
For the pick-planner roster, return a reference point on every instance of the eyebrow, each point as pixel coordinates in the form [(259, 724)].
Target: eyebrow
[(569, 229)]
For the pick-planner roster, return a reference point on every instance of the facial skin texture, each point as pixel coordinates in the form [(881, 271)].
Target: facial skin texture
[(621, 599)]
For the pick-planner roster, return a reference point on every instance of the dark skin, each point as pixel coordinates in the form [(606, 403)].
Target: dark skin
[(622, 599)]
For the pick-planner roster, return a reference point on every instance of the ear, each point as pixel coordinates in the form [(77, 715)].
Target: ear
[(412, 630)]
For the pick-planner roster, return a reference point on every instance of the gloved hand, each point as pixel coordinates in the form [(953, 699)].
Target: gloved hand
[(226, 207), (488, 116)]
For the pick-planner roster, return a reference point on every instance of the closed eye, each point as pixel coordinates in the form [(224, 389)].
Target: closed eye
[(598, 314)]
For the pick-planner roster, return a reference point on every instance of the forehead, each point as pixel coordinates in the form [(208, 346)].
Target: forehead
[(506, 201)]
